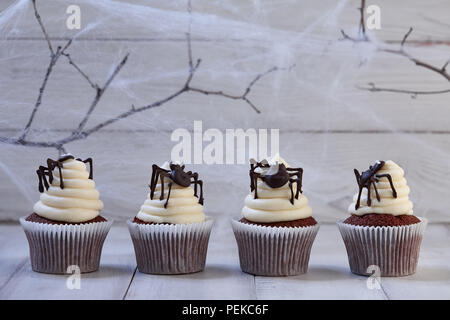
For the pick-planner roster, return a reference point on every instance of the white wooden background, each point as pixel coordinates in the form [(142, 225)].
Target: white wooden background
[(327, 126)]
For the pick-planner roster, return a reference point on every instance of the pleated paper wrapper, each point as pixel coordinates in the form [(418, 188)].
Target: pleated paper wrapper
[(394, 250), (170, 248), (274, 251), (53, 248)]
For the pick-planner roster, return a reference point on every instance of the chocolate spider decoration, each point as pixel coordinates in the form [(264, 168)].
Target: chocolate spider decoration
[(282, 176), (176, 175), (368, 178), (42, 172)]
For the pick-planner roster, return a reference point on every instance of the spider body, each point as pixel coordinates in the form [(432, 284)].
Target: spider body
[(277, 179), (368, 179), (177, 175), (180, 177)]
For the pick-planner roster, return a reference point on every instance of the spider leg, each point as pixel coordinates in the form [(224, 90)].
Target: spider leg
[(200, 183), (358, 176), (195, 176), (369, 199), (41, 172), (292, 192), (299, 173), (152, 181), (61, 180), (168, 194), (376, 190), (255, 183), (359, 197), (388, 176), (162, 187)]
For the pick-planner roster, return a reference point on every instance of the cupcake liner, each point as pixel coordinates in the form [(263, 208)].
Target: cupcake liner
[(170, 248), (274, 251), (53, 248), (395, 250)]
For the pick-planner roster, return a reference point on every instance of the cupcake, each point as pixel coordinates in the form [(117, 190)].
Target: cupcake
[(65, 228), (276, 232), (170, 233), (382, 230)]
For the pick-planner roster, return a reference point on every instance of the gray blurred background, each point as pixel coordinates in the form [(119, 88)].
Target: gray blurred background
[(327, 124)]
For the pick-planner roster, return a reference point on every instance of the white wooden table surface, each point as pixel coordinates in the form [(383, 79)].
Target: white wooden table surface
[(328, 276)]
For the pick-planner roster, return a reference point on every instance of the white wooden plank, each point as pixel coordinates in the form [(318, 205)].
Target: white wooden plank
[(308, 98), (228, 18), (432, 280), (110, 282), (13, 255), (221, 279), (328, 161), (328, 277)]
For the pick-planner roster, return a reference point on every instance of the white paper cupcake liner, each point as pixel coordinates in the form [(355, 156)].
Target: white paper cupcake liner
[(395, 250), (170, 248), (53, 248), (274, 251)]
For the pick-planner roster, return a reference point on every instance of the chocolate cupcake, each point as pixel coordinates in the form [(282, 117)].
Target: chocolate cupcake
[(277, 231), (382, 230), (65, 228), (170, 233)]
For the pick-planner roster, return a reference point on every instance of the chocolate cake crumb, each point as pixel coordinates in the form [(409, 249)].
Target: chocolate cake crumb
[(37, 218), (381, 220), (139, 221), (310, 221)]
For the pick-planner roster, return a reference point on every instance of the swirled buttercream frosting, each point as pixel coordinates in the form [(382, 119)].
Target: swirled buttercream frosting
[(275, 194), (175, 196), (68, 192), (389, 192)]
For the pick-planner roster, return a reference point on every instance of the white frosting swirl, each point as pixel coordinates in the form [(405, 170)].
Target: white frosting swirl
[(387, 204), (77, 202), (182, 208), (273, 204)]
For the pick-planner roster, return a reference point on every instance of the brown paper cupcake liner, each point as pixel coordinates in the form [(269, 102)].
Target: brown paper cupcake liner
[(53, 248), (274, 251), (395, 250), (170, 248)]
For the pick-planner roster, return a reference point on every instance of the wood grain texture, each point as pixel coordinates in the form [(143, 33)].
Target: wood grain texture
[(221, 279), (328, 276), (328, 161), (117, 268), (327, 125)]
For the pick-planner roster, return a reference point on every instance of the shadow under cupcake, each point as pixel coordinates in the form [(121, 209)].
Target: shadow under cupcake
[(382, 232), (170, 233), (277, 231), (65, 228)]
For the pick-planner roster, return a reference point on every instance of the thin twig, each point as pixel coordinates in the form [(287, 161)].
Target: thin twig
[(406, 36), (80, 132), (373, 88), (99, 94), (400, 52), (362, 23), (39, 20), (83, 74)]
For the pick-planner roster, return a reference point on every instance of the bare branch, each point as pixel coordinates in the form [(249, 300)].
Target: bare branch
[(362, 23), (80, 132), (39, 20), (406, 36), (99, 94), (373, 88), (83, 74), (400, 52)]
